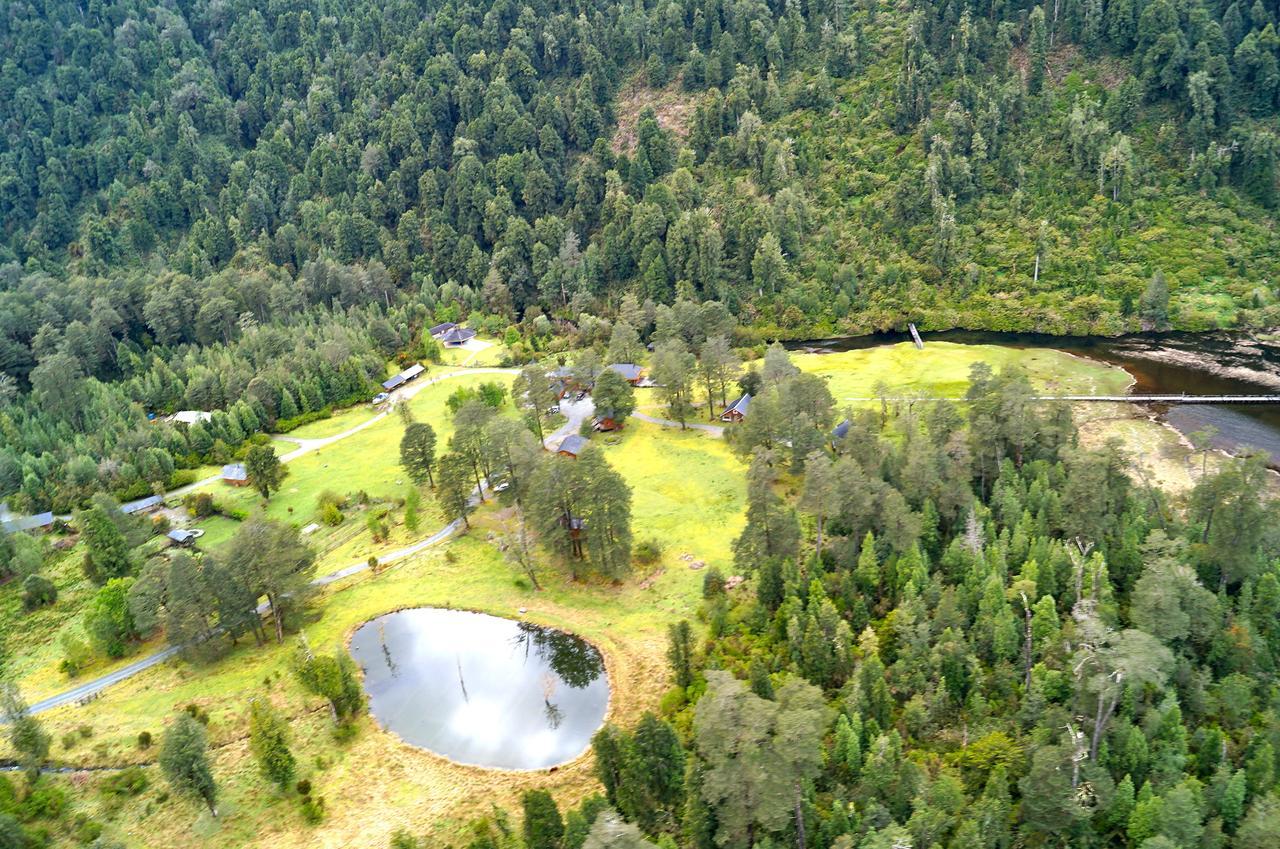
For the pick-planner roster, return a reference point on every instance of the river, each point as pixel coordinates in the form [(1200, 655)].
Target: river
[(1170, 363)]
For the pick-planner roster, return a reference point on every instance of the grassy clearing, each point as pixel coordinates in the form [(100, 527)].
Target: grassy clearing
[(335, 424), (368, 461), (688, 491), (1160, 455), (942, 368)]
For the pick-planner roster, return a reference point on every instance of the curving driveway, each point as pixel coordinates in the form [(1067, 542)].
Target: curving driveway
[(714, 430)]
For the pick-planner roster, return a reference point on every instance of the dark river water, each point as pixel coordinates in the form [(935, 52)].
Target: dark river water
[(1195, 364), (482, 690)]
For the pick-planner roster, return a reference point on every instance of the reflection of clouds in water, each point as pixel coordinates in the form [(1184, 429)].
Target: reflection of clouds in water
[(539, 747), (533, 696), (475, 719)]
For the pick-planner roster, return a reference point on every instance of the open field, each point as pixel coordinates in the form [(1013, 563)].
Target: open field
[(368, 461), (942, 368)]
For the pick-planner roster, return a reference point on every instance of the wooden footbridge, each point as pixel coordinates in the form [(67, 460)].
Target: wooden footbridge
[(1113, 399)]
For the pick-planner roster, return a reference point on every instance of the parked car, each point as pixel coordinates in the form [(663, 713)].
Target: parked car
[(380, 397)]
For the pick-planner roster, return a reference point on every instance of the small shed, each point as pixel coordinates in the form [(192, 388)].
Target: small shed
[(441, 329), (737, 411), (572, 446), (457, 337), (393, 382), (235, 474), (630, 372), (190, 417), (183, 537), (142, 505), (412, 372), (607, 420)]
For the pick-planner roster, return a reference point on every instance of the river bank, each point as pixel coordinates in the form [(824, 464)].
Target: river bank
[(1217, 363)]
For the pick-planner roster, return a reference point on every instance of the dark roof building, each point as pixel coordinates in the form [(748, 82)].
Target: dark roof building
[(737, 411), (457, 337), (403, 377), (630, 371), (441, 329), (841, 430), (606, 420), (182, 536), (572, 445), (142, 505)]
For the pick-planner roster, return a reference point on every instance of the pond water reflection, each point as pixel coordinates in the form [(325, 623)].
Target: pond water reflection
[(482, 690)]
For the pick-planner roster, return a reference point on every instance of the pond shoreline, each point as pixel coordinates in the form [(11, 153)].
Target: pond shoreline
[(608, 673)]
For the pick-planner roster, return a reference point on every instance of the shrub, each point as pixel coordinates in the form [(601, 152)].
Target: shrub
[(713, 583), (199, 504), (181, 477), (44, 801), (69, 740), (38, 591), (130, 781), (303, 787), (88, 831), (85, 731), (648, 551), (330, 514), (144, 740), (312, 809), (197, 713), (76, 654)]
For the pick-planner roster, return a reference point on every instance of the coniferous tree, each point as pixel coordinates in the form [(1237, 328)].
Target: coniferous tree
[(418, 452), (185, 761), (26, 734), (264, 469), (269, 741)]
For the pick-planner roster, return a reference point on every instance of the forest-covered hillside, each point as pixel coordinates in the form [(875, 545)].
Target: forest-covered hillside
[(250, 206)]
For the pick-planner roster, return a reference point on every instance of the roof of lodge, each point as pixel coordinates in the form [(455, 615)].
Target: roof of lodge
[(458, 334), (630, 371), (740, 406), (141, 504), (572, 444)]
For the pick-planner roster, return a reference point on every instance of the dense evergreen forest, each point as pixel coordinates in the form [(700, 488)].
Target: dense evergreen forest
[(250, 206)]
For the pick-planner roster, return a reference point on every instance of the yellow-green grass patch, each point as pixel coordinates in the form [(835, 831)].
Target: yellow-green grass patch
[(942, 369), (367, 461)]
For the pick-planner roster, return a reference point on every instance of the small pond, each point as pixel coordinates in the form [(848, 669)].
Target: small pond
[(482, 690)]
